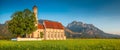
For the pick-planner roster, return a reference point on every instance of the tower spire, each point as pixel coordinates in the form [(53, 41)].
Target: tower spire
[(35, 13)]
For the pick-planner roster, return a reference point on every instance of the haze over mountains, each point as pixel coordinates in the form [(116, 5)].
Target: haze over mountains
[(74, 29)]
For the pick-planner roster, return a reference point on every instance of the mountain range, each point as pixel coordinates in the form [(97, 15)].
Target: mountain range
[(82, 30), (75, 29)]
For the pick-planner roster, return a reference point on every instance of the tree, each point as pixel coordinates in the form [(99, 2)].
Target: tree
[(41, 34), (22, 23)]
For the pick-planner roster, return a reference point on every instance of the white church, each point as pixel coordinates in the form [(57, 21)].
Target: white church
[(46, 30)]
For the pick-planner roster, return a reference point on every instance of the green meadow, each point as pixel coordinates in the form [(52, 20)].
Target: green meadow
[(70, 44)]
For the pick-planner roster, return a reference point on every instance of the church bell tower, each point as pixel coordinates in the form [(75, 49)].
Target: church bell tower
[(35, 13)]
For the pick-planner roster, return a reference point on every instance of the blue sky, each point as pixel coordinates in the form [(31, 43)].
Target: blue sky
[(104, 14)]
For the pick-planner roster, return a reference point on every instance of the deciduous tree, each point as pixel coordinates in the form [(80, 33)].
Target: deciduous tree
[(22, 23)]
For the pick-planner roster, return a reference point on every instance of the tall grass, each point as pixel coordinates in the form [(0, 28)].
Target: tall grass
[(70, 44)]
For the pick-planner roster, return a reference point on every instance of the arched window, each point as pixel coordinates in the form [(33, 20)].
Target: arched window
[(61, 35), (54, 35)]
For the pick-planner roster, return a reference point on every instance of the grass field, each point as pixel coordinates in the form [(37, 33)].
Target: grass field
[(76, 44)]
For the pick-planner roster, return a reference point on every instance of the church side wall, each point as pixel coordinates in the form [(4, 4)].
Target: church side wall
[(55, 34)]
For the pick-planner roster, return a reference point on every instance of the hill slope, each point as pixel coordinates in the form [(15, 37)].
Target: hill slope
[(4, 33)]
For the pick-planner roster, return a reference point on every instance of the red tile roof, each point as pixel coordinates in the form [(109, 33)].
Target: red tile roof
[(40, 26), (54, 25)]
